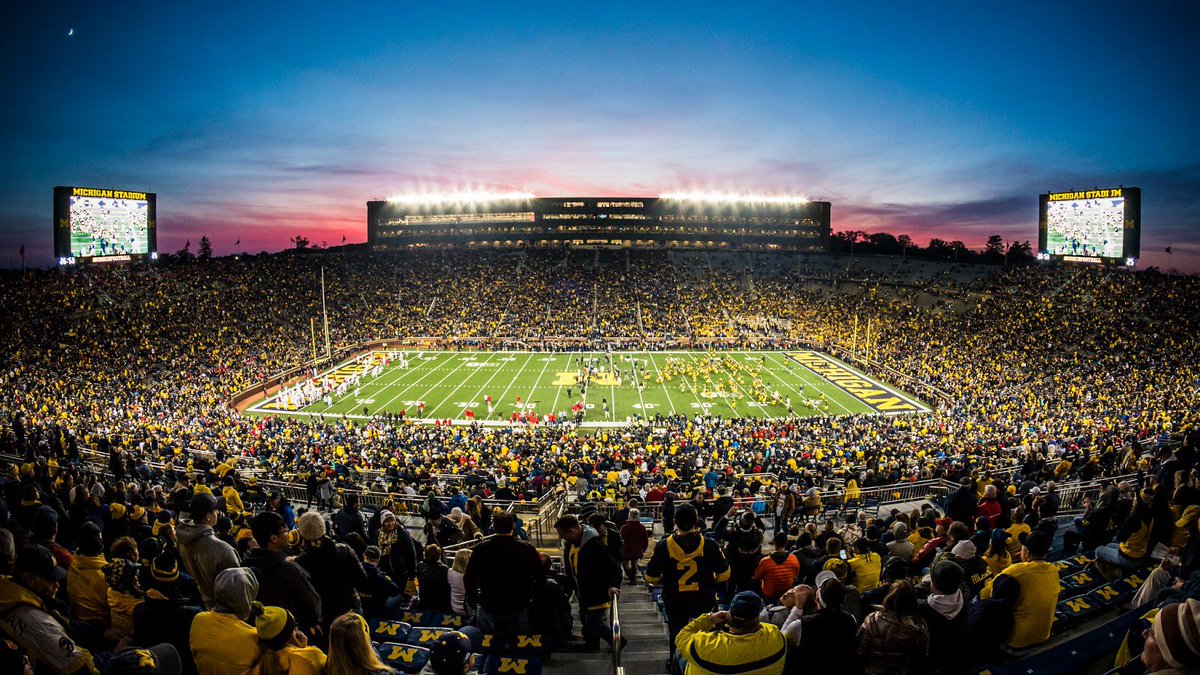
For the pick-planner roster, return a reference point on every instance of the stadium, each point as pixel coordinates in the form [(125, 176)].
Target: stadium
[(833, 399), (725, 413)]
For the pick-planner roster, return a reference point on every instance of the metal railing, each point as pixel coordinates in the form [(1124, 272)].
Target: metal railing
[(615, 618)]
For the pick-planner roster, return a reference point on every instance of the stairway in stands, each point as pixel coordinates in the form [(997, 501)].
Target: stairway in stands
[(641, 624)]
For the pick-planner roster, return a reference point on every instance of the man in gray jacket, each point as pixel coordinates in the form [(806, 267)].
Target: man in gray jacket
[(203, 554)]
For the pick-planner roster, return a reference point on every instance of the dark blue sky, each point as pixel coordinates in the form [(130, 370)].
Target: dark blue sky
[(258, 121)]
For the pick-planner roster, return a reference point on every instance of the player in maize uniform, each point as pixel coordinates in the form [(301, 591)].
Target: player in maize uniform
[(690, 568)]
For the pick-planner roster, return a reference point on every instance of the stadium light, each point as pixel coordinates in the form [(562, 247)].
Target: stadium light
[(1130, 262), (441, 197), (730, 197)]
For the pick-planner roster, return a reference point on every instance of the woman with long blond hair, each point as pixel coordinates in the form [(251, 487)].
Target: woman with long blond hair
[(458, 586), (350, 649)]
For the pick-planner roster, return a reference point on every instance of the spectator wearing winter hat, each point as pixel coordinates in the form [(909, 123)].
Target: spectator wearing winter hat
[(87, 591), (333, 568), (124, 594), (465, 523), (945, 614), (204, 556), (222, 643), (1173, 640), (1033, 614), (165, 615), (281, 582), (287, 648), (900, 546), (748, 645), (975, 570)]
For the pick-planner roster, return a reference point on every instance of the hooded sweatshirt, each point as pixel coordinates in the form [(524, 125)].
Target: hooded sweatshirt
[(283, 583), (222, 642), (946, 618), (204, 555), (592, 570)]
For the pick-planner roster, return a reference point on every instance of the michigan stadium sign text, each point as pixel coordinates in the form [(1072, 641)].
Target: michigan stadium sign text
[(880, 400), (1088, 194), (106, 194)]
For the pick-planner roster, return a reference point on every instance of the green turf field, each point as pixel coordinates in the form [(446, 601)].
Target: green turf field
[(730, 384)]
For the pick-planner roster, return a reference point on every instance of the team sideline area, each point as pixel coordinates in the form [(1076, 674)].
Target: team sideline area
[(594, 389)]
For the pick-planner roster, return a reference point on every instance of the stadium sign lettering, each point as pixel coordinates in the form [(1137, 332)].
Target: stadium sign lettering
[(1088, 194), (106, 194), (881, 400)]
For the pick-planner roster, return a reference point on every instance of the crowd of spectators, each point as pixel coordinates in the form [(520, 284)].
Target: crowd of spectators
[(1048, 375)]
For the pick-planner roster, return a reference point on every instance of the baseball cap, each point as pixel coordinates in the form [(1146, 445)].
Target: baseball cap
[(161, 659), (449, 653), (946, 576), (823, 576), (36, 559), (1037, 542), (746, 606)]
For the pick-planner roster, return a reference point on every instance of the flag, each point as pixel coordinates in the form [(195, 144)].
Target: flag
[(343, 238), (188, 244), (22, 250), (1168, 250), (238, 242)]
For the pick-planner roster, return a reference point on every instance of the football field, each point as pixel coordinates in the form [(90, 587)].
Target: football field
[(599, 388)]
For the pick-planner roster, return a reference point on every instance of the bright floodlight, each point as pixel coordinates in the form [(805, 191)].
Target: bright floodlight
[(440, 197), (729, 197)]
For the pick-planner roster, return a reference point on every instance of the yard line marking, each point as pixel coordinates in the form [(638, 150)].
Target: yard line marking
[(499, 399), (529, 400), (558, 389), (447, 397), (658, 374), (434, 370)]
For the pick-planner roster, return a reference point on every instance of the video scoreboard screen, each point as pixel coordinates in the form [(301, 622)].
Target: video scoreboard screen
[(103, 225), (1091, 226)]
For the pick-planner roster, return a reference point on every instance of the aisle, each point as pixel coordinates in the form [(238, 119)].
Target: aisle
[(641, 624)]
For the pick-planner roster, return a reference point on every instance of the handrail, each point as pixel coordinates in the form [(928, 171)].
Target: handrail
[(615, 618)]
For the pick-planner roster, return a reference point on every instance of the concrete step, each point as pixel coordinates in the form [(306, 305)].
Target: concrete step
[(646, 650)]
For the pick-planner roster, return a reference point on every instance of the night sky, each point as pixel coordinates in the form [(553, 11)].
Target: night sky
[(259, 121)]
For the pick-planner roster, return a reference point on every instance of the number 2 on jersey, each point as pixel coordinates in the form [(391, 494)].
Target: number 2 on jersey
[(688, 567)]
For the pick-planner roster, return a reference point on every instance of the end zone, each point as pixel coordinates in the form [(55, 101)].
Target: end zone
[(874, 394)]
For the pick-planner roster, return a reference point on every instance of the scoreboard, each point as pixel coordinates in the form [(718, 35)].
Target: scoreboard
[(1099, 226), (93, 225)]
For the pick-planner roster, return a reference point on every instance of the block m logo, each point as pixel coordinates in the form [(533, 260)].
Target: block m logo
[(518, 666)]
